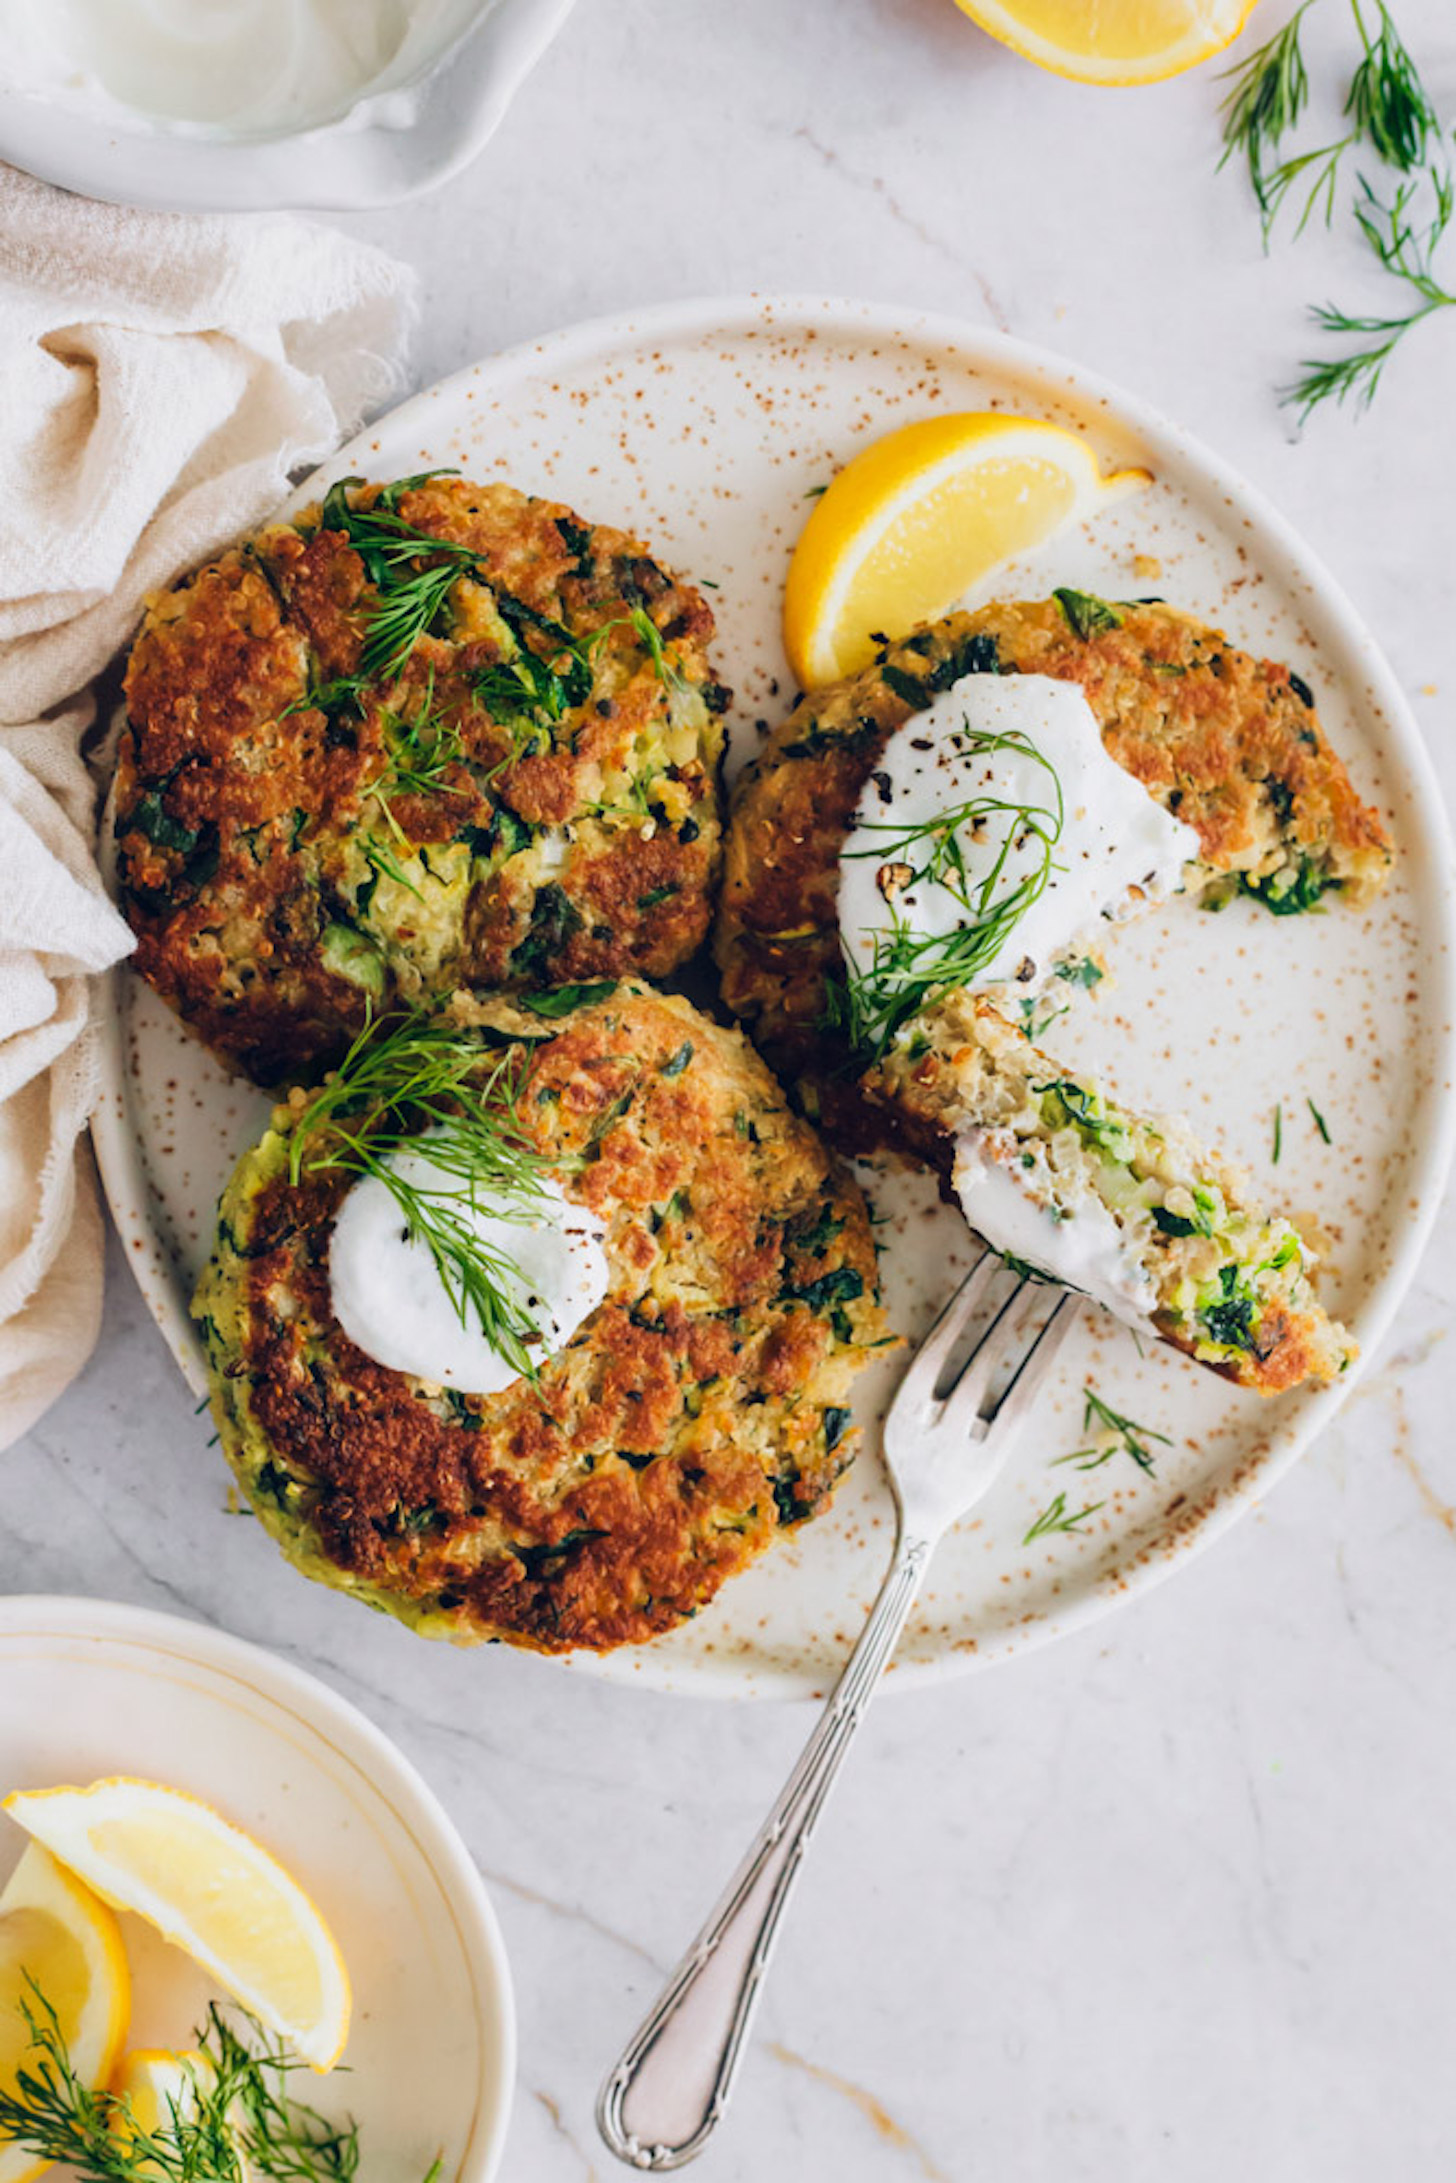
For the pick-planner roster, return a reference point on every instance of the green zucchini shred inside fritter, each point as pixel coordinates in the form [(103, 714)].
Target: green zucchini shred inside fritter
[(348, 954), (1086, 614)]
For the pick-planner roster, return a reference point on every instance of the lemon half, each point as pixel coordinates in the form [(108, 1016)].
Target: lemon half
[(1113, 41), (907, 527), (209, 1888), (53, 1931)]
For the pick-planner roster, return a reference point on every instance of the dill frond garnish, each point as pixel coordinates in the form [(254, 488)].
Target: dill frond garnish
[(238, 2122), (1058, 1517), (1387, 100), (420, 753), (1119, 1435), (1390, 114), (1268, 93), (415, 1075), (905, 965), (412, 571)]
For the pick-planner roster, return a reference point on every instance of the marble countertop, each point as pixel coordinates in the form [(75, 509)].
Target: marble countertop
[(1170, 1899)]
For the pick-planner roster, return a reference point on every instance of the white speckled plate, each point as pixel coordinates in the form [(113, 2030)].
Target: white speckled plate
[(703, 427), (88, 1689)]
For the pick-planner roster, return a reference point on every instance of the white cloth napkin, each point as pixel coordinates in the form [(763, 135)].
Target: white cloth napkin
[(161, 374)]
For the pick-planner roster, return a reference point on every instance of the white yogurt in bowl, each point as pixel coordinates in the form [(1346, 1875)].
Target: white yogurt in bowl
[(251, 105), (240, 66)]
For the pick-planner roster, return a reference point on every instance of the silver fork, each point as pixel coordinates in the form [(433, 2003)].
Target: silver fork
[(947, 1434)]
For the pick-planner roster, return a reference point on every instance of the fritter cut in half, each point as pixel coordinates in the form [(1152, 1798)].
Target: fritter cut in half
[(429, 734), (1230, 745), (1052, 1172), (699, 1409)]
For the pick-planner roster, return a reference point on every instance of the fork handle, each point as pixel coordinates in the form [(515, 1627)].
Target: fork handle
[(660, 2104)]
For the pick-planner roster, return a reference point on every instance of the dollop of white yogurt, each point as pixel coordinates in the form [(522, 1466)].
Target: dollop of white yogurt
[(1115, 846), (389, 1299), (1083, 1248), (243, 66)]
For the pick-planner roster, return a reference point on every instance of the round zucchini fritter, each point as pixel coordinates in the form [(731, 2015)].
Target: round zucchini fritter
[(1229, 744), (433, 734), (702, 1406)]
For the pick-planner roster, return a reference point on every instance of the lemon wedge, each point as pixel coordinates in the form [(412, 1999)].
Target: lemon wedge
[(160, 2089), (907, 527), (53, 1931), (209, 1888), (1113, 41)]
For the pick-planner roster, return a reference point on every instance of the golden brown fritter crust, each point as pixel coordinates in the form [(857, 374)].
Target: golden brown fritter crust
[(1230, 744), (700, 1408), (289, 853)]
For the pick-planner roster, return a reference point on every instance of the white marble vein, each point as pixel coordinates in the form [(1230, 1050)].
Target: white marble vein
[(1170, 1900)]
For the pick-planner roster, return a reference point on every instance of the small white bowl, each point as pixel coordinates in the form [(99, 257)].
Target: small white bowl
[(89, 1689), (389, 146)]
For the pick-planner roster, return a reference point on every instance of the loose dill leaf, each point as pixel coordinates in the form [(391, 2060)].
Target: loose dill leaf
[(1278, 1132), (237, 2124), (1387, 100), (1321, 167), (905, 965), (413, 1074), (1267, 93), (1058, 1517), (1037, 1017), (384, 863), (1083, 970), (1319, 1121), (420, 753), (1122, 1436)]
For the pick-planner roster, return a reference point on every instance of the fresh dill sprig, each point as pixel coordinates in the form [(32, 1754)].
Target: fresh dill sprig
[(382, 860), (1119, 1436), (1058, 1517), (906, 965), (1405, 248), (415, 1075), (420, 753), (412, 571), (1268, 93), (1387, 100), (237, 2121), (1391, 113)]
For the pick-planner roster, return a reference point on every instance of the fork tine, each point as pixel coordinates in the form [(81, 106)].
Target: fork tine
[(995, 1353), (924, 1368), (1021, 1389)]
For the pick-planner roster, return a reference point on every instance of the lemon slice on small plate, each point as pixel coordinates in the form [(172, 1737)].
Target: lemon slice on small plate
[(918, 517), (58, 1940), (209, 1888), (1113, 41)]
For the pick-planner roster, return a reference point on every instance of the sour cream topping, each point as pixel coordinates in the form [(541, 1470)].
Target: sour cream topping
[(1082, 1248), (246, 66), (389, 1299), (1113, 844)]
